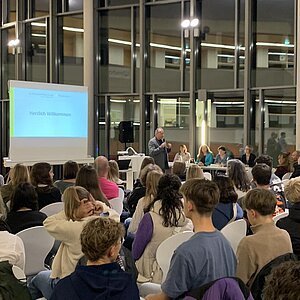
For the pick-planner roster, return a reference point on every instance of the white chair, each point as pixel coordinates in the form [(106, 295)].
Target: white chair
[(280, 216), (52, 209), (117, 203), (234, 232), (164, 254), (37, 243), (207, 175), (286, 176)]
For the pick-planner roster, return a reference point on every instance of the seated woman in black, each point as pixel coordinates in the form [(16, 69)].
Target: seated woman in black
[(248, 158), (41, 176), (24, 209)]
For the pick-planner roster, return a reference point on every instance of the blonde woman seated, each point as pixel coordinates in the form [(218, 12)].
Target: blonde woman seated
[(113, 173), (194, 171), (205, 156), (164, 218), (151, 191), (66, 226), (182, 154)]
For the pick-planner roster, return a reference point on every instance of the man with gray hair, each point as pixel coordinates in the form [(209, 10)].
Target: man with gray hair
[(159, 149)]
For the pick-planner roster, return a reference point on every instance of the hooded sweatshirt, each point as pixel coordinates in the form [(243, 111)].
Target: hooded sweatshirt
[(98, 282)]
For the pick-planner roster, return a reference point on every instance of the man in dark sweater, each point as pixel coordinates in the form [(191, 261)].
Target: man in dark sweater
[(102, 277)]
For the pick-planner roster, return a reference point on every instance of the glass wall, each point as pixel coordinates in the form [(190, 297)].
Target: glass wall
[(70, 39), (273, 40), (70, 5)]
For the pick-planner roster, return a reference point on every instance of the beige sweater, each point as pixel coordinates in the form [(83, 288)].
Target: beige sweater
[(68, 232), (255, 251)]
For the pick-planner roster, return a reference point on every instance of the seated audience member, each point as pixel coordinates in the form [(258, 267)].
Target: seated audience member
[(283, 282), (11, 246), (113, 173), (267, 241), (164, 217), (151, 193), (268, 160), (146, 161), (292, 222), (66, 226), (194, 171), (261, 177), (179, 169), (102, 277), (227, 209), (205, 156), (109, 188), (248, 158), (294, 159), (88, 179), (283, 166), (207, 255), (18, 174), (70, 170), (237, 173), (296, 172), (221, 157), (24, 209), (41, 176), (183, 154), (140, 191)]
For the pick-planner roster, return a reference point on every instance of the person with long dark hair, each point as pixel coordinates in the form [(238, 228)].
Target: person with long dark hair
[(163, 218)]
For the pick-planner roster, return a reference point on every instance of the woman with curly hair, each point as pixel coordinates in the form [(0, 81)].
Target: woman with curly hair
[(163, 218), (237, 173)]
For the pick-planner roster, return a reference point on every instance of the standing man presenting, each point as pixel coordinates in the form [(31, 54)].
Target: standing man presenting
[(159, 149)]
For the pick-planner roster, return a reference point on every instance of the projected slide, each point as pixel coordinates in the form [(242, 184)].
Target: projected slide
[(48, 122), (48, 113)]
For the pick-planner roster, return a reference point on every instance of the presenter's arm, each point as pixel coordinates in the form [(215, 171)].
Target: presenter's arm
[(154, 148)]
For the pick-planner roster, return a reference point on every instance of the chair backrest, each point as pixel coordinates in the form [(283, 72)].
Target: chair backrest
[(166, 249), (287, 175), (259, 281), (207, 175), (52, 209), (234, 232), (117, 203), (280, 216), (37, 243)]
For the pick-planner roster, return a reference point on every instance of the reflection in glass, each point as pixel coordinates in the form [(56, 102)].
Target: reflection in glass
[(11, 9), (164, 47), (217, 44), (71, 49), (122, 2), (8, 59), (70, 5), (40, 8), (36, 51), (173, 116), (115, 51), (274, 37), (123, 109)]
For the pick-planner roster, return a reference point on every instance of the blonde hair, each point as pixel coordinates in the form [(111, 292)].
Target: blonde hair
[(194, 171), (292, 190), (113, 171), (200, 152), (19, 174), (72, 198), (151, 185)]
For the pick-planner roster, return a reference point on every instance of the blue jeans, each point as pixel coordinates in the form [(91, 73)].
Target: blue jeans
[(41, 285)]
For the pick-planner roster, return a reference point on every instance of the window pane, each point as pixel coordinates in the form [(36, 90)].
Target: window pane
[(71, 50), (280, 116), (217, 44), (274, 38), (36, 51), (70, 5), (11, 10), (40, 8), (115, 51), (164, 47), (173, 116), (122, 2), (8, 59)]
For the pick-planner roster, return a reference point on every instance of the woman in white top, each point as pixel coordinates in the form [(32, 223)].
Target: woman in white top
[(11, 246), (183, 154)]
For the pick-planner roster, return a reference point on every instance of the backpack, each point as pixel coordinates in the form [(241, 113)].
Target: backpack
[(10, 287)]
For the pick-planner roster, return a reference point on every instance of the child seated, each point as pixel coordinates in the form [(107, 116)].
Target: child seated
[(102, 277)]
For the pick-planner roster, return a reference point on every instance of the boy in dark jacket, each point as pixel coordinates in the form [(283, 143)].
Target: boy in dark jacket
[(102, 278)]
